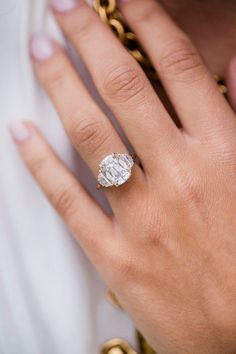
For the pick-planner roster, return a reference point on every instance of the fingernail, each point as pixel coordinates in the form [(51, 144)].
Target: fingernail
[(19, 131), (41, 47), (64, 5)]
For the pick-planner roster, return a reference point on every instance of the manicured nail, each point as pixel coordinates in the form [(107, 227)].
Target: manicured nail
[(41, 47), (64, 5), (19, 131)]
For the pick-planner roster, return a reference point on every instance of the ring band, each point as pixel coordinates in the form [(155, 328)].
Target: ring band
[(115, 170)]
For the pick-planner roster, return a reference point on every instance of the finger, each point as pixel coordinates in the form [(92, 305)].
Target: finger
[(121, 83), (89, 129), (231, 82), (189, 85), (64, 192)]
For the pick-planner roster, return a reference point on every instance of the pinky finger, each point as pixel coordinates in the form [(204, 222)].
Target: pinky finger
[(63, 190)]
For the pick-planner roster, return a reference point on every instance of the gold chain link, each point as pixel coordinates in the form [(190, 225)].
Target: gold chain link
[(110, 14), (144, 347)]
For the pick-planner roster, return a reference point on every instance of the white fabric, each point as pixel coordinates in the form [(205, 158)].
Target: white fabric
[(51, 299)]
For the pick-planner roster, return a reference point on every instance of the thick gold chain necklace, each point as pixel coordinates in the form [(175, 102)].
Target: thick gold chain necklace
[(110, 14)]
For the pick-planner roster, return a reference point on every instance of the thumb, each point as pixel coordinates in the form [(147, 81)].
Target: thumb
[(231, 82)]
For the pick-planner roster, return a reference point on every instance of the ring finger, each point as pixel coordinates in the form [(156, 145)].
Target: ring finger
[(90, 131)]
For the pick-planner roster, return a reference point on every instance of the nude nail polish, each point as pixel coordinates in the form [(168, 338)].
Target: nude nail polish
[(19, 131), (64, 5), (41, 47)]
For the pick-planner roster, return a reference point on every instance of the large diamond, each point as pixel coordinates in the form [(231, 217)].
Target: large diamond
[(115, 170)]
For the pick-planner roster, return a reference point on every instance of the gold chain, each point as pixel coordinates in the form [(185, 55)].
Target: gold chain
[(110, 14), (144, 347)]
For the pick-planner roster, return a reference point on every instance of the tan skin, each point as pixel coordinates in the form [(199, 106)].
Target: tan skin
[(169, 251), (211, 24)]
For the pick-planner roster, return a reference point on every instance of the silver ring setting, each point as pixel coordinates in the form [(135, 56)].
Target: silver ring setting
[(115, 170)]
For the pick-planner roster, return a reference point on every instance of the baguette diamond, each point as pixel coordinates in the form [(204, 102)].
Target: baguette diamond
[(115, 170)]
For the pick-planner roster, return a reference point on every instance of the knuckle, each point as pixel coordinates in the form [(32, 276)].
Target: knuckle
[(89, 135), (125, 266), (123, 84), (154, 224), (82, 28), (192, 190), (123, 260), (145, 14), (180, 59), (154, 230), (37, 164), (54, 74), (63, 199)]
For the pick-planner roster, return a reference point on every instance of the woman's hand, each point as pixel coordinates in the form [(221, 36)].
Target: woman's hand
[(169, 251)]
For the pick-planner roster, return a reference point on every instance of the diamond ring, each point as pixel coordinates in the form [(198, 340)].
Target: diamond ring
[(115, 170)]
